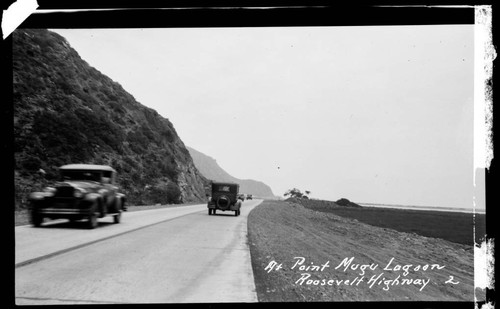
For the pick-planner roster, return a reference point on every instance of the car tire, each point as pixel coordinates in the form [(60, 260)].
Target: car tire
[(102, 209), (117, 205), (209, 211), (92, 223), (213, 211), (36, 219), (118, 217)]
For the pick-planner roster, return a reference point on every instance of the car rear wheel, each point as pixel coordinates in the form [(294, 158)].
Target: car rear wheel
[(36, 219), (117, 218), (102, 209), (209, 211), (117, 205)]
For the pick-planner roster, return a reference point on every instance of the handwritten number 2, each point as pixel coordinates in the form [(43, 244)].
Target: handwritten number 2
[(451, 280)]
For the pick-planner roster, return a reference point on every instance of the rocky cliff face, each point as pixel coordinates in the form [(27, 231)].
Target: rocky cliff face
[(66, 111), (211, 170)]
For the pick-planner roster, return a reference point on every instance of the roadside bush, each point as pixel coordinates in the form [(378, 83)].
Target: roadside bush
[(164, 194), (31, 163), (346, 202), (343, 202), (173, 194)]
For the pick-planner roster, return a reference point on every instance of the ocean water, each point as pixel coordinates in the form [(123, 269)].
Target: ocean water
[(436, 208)]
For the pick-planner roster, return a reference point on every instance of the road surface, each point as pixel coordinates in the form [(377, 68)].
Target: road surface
[(172, 255)]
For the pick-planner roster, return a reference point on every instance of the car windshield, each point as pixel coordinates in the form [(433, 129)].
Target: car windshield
[(224, 188), (80, 175)]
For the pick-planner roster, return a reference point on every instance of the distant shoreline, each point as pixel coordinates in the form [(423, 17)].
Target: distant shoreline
[(406, 207)]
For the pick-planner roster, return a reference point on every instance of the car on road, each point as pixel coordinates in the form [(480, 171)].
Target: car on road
[(249, 196), (224, 197), (84, 191)]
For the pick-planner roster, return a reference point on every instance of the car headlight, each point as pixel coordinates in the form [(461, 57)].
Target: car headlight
[(79, 192), (49, 191)]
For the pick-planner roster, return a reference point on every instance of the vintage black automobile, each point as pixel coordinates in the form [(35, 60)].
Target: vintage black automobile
[(249, 196), (85, 191), (224, 197)]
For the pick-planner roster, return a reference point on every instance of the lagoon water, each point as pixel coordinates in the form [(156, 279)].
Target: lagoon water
[(407, 207)]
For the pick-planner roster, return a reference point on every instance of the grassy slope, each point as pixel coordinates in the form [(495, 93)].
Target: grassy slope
[(280, 231)]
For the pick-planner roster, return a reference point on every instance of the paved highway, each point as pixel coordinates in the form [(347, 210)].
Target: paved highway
[(172, 255)]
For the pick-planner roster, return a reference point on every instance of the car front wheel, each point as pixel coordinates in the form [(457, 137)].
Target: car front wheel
[(92, 224)]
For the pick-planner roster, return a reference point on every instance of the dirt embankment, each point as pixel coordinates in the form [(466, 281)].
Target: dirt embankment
[(299, 254)]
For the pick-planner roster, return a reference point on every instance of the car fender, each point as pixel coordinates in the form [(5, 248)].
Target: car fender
[(121, 197), (236, 205)]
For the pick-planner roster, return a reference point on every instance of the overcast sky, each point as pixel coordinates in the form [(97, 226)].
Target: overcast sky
[(372, 114)]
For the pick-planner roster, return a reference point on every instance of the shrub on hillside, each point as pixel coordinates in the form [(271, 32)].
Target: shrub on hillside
[(343, 202), (346, 202), (297, 193), (31, 163), (163, 194), (173, 193)]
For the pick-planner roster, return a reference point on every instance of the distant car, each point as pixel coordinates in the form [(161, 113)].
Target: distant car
[(241, 196), (224, 197), (85, 191), (249, 197)]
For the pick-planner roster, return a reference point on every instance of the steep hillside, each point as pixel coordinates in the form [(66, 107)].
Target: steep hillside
[(66, 111), (211, 170)]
